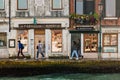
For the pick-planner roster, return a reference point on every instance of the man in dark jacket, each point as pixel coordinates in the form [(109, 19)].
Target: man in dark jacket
[(20, 49), (74, 50)]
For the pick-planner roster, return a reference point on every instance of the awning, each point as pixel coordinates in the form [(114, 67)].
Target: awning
[(79, 31)]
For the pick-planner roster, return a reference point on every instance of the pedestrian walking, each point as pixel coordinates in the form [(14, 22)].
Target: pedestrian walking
[(20, 49), (74, 52), (39, 49)]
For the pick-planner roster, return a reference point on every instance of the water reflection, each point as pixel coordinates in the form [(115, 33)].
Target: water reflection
[(67, 77)]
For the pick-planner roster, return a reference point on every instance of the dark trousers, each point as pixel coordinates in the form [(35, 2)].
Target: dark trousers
[(40, 53), (20, 51)]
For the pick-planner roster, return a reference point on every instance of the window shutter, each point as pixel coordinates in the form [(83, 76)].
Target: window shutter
[(117, 8), (89, 6), (103, 14)]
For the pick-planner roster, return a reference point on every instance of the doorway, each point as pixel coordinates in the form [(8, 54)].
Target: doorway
[(77, 38), (39, 35)]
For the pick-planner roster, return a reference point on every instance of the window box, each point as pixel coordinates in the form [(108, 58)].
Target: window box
[(85, 19)]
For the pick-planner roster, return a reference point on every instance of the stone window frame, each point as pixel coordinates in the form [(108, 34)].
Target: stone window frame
[(110, 44)]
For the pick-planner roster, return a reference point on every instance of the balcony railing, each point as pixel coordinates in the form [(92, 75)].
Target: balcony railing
[(22, 13), (84, 19), (2, 14), (57, 14)]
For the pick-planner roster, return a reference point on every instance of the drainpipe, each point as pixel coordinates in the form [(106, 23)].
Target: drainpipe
[(9, 15)]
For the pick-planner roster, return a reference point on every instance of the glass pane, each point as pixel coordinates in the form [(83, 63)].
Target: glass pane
[(106, 40), (22, 4), (57, 4), (79, 6), (77, 38), (90, 44), (56, 40), (23, 37), (89, 6), (113, 39), (110, 8), (94, 44), (87, 45), (3, 39), (1, 4)]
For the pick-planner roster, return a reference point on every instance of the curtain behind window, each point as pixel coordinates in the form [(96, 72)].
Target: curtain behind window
[(110, 8), (79, 7)]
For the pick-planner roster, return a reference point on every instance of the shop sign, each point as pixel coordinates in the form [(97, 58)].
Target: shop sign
[(85, 28), (42, 26)]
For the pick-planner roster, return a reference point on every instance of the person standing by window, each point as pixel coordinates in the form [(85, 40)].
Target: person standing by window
[(39, 49)]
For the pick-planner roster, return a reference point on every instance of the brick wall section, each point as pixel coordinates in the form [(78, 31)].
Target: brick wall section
[(72, 6), (71, 11)]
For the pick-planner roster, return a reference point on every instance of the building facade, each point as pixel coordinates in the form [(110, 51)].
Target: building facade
[(110, 29), (57, 23), (102, 41), (84, 26), (30, 21)]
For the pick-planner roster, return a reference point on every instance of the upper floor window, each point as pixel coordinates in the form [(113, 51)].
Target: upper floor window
[(56, 4), (2, 4), (84, 6), (110, 8), (22, 4)]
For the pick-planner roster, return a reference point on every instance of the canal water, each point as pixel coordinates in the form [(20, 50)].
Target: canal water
[(79, 76)]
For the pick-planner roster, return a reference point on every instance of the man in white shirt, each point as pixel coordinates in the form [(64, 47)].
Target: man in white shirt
[(39, 49)]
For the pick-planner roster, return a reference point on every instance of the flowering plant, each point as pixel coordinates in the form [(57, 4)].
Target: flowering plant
[(85, 19)]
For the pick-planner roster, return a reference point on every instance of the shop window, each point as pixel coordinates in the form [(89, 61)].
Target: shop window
[(91, 42), (56, 40), (110, 43), (23, 37), (22, 4), (2, 5), (3, 39), (56, 4)]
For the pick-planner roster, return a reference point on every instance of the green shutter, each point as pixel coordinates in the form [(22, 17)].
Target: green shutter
[(103, 14)]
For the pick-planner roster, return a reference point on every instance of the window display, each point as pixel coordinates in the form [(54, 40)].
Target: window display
[(90, 42), (3, 39), (23, 37), (110, 42), (56, 40)]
